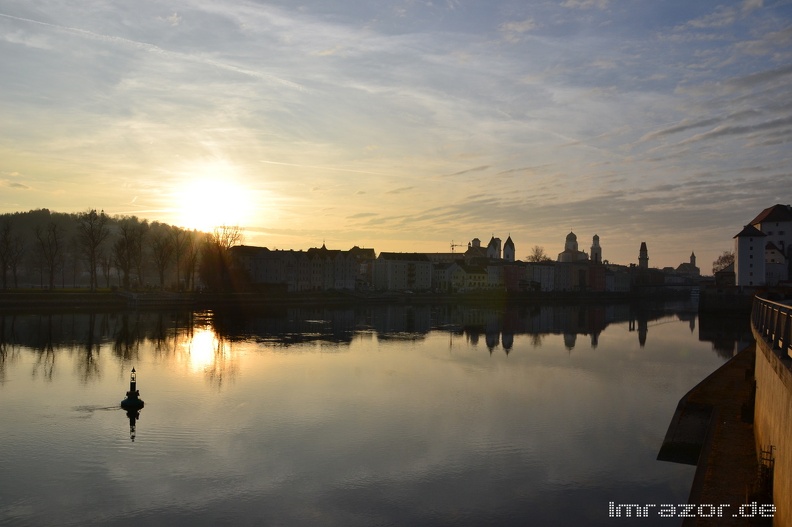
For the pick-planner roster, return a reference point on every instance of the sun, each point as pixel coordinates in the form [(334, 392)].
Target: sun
[(212, 198)]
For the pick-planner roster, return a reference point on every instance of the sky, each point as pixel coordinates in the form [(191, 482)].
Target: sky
[(405, 125)]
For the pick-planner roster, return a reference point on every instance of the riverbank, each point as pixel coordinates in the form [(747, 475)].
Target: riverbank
[(712, 428)]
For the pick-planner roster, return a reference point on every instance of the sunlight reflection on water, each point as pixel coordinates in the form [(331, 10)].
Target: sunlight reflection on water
[(347, 427)]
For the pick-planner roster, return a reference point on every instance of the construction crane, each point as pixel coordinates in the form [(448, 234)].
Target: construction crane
[(453, 245)]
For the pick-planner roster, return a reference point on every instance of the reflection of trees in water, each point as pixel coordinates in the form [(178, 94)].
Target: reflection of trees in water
[(88, 357), (126, 345), (45, 352), (127, 332), (224, 365)]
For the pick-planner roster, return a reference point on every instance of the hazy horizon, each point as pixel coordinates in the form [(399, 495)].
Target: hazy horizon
[(403, 126)]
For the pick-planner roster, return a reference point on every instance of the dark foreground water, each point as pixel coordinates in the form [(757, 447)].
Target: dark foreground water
[(365, 416)]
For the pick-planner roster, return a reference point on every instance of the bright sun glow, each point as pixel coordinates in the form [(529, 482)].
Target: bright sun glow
[(212, 197), (204, 348)]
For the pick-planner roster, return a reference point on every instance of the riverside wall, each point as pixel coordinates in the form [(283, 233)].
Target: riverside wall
[(772, 328)]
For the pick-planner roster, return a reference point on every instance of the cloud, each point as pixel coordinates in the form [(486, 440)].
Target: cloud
[(467, 171), (361, 215), (400, 190), (586, 4), (512, 31), (174, 20), (14, 184), (722, 17), (751, 5), (725, 131)]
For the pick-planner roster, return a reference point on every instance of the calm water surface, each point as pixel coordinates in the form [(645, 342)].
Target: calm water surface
[(366, 416)]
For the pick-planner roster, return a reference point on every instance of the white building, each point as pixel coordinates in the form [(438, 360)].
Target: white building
[(749, 257), (776, 223)]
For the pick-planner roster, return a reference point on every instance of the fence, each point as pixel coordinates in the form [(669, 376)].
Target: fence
[(773, 322)]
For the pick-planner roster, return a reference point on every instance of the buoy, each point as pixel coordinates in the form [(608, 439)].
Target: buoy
[(133, 400)]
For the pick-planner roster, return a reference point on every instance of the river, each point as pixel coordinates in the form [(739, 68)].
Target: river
[(386, 415)]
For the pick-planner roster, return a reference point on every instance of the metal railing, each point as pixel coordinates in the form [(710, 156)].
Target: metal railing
[(773, 323)]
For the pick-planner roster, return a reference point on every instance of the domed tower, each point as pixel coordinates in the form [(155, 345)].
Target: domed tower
[(571, 243), (596, 250), (643, 257), (508, 250)]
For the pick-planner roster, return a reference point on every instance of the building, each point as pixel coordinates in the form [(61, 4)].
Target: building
[(596, 250), (571, 253), (494, 249), (317, 269), (776, 269), (508, 250), (749, 257), (402, 272), (776, 223), (643, 257), (688, 269)]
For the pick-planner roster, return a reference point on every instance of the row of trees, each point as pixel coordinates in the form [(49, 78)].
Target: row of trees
[(41, 248)]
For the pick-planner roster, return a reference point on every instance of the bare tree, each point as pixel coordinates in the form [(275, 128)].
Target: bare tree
[(162, 250), (6, 228), (226, 236), (15, 254), (190, 259), (216, 266), (538, 255), (92, 231), (128, 249), (12, 248), (180, 239), (106, 263), (50, 248), (723, 261)]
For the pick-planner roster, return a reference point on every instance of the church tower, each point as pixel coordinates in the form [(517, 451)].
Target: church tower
[(596, 250), (643, 257), (571, 242), (693, 259), (494, 249), (508, 250)]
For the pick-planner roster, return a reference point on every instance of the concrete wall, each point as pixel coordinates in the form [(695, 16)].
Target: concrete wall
[(773, 422)]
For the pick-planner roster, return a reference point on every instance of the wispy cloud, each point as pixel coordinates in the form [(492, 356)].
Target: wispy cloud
[(409, 125)]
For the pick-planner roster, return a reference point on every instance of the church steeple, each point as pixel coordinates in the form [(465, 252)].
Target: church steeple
[(596, 250), (643, 257), (508, 250)]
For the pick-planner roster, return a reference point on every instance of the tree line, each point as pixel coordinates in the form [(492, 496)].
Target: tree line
[(45, 249)]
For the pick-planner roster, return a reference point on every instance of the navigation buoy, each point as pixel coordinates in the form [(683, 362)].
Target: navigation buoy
[(132, 404), (133, 400)]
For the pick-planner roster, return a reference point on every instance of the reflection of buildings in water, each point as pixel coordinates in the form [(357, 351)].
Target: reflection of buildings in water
[(284, 326), (642, 324), (727, 333), (492, 339), (402, 319), (569, 340)]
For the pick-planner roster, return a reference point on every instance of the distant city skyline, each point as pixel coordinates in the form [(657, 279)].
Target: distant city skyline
[(402, 126)]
